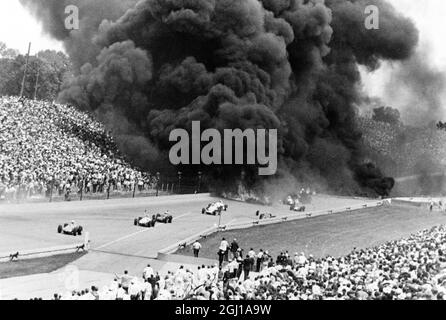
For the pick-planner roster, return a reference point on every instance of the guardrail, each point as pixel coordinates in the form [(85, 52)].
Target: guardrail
[(301, 216), (40, 253), (245, 225), (188, 241)]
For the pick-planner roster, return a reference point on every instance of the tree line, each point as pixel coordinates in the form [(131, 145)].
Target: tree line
[(47, 69)]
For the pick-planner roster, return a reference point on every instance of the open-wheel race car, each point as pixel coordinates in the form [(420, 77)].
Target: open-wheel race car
[(70, 229), (297, 206), (263, 216), (146, 221), (215, 208), (164, 217)]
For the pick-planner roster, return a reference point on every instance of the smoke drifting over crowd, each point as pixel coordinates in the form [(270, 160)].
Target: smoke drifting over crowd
[(147, 68), (420, 92)]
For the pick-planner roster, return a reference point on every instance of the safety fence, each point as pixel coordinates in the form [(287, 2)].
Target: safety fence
[(45, 252), (303, 215), (188, 241), (250, 224), (163, 185)]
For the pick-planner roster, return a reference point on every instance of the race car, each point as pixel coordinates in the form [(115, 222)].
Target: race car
[(146, 221), (70, 229), (263, 216), (164, 217), (215, 208), (297, 206)]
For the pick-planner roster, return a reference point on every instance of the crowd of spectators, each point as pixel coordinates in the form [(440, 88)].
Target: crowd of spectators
[(408, 269), (50, 148), (408, 148)]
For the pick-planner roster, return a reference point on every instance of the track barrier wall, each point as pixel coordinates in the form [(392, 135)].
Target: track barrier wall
[(245, 225)]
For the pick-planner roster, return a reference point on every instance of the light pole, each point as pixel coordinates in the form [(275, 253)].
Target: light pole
[(22, 90), (52, 187), (179, 181), (219, 220), (200, 175), (157, 183)]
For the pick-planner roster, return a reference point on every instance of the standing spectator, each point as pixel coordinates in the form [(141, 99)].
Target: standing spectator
[(148, 272), (233, 267), (252, 257), (125, 281), (259, 260), (234, 247), (247, 266), (221, 257), (196, 247), (224, 247)]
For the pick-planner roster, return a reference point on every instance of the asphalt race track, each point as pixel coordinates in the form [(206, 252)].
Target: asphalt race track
[(115, 242)]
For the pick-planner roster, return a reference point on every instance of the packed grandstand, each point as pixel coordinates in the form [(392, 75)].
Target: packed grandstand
[(404, 150), (411, 268), (47, 147)]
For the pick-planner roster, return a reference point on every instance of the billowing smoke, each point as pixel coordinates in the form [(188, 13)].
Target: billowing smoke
[(420, 89), (290, 65), (78, 43)]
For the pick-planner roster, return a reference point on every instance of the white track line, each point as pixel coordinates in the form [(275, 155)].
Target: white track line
[(121, 239), (182, 216), (134, 234), (230, 222)]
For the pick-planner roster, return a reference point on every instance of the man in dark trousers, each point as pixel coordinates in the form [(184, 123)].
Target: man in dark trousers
[(196, 247), (259, 260), (247, 265), (221, 257), (234, 247)]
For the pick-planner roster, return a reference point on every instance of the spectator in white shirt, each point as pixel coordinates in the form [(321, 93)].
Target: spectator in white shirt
[(148, 272), (196, 247)]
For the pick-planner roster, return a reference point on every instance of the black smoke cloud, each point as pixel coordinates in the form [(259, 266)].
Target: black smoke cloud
[(79, 44), (290, 65)]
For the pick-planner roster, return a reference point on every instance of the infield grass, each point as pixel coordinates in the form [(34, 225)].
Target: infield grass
[(334, 235)]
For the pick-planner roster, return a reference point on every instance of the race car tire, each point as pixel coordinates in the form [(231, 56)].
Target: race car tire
[(59, 229), (136, 222), (203, 211), (79, 232), (226, 207), (170, 220)]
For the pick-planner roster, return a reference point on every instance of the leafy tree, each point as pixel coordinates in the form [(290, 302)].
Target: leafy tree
[(51, 68), (6, 52)]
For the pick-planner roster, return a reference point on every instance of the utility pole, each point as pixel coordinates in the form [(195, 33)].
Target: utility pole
[(200, 175), (26, 71), (37, 84), (179, 181)]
